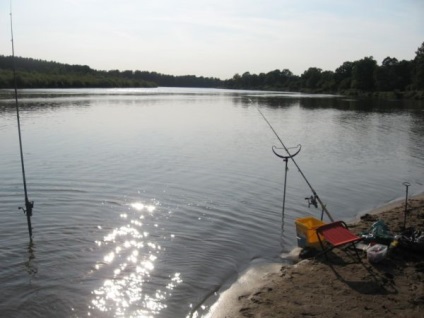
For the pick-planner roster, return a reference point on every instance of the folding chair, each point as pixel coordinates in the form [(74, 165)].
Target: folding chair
[(337, 234)]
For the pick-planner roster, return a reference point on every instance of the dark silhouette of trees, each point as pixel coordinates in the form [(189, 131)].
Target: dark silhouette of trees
[(343, 75), (311, 77), (170, 80), (33, 73), (392, 75), (274, 80), (327, 82), (363, 75), (419, 68)]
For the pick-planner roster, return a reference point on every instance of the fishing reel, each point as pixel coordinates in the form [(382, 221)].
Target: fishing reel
[(312, 200), (29, 205)]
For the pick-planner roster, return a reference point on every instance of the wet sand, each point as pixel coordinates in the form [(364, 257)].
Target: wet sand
[(341, 286)]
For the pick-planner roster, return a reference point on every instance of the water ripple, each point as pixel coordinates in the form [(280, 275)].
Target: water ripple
[(149, 202)]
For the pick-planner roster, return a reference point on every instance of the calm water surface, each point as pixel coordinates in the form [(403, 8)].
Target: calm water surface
[(150, 202)]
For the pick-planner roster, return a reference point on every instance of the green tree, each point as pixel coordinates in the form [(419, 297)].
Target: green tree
[(327, 82), (286, 77), (403, 73), (246, 80), (343, 75), (385, 76), (419, 68), (363, 74), (311, 77), (272, 79)]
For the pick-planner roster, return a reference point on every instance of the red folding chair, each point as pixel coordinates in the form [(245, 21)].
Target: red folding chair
[(336, 234)]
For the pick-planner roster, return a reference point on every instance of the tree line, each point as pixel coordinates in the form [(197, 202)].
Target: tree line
[(364, 75), (32, 73)]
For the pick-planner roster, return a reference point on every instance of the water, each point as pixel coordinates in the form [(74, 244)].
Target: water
[(150, 202)]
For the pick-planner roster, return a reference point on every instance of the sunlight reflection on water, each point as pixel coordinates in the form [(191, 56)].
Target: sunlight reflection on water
[(131, 259)]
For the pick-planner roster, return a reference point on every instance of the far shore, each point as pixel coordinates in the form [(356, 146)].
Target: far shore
[(341, 286)]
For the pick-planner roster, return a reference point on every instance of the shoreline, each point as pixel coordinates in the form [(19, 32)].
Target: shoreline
[(341, 286)]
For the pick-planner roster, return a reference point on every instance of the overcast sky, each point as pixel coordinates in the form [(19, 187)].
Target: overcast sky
[(217, 38)]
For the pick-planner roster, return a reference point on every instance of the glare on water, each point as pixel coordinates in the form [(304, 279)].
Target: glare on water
[(131, 257)]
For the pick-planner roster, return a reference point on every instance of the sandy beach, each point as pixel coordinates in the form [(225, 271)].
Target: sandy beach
[(342, 286)]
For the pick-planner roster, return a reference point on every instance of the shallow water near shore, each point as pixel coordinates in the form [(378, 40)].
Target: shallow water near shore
[(149, 201)]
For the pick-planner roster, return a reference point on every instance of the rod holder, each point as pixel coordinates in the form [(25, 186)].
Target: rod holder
[(407, 185), (285, 158)]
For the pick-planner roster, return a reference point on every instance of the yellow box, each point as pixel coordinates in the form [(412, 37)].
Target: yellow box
[(306, 232)]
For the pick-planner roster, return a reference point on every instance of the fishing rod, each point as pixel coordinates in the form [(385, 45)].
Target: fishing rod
[(313, 199), (28, 204)]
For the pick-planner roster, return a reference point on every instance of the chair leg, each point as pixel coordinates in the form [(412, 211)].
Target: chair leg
[(356, 251), (324, 251)]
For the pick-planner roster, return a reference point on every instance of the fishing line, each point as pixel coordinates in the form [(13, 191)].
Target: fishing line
[(28, 204), (315, 196)]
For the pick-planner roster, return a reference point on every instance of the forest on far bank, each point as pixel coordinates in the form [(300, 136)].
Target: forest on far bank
[(364, 76), (32, 73)]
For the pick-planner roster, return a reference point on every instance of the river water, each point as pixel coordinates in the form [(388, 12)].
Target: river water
[(151, 202)]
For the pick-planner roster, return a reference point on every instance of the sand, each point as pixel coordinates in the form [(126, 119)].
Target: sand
[(343, 286)]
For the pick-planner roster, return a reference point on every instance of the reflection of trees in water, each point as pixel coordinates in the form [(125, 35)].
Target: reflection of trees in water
[(335, 103), (313, 102), (361, 104), (417, 134), (316, 103), (265, 101), (276, 102), (54, 104), (358, 118), (53, 100), (41, 105), (418, 122)]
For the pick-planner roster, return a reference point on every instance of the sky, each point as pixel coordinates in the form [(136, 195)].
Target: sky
[(212, 38)]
